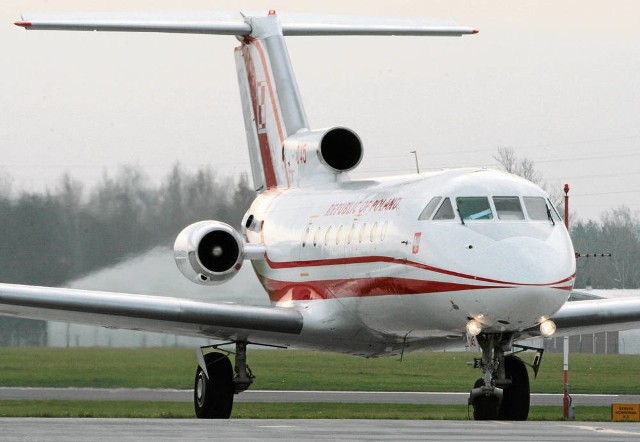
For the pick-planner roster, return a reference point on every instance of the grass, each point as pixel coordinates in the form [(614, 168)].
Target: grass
[(292, 370), (300, 370), (129, 409)]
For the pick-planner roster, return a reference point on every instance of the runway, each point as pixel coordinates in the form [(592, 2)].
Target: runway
[(35, 429), (390, 397)]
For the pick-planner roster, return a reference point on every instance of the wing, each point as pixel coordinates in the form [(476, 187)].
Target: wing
[(597, 316), (227, 321), (594, 316)]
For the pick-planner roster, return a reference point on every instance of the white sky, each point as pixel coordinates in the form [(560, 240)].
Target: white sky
[(559, 81)]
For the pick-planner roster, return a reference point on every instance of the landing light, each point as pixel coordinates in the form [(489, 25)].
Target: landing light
[(547, 328), (474, 327)]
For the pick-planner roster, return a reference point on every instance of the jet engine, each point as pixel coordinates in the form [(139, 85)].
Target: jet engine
[(338, 148), (212, 252)]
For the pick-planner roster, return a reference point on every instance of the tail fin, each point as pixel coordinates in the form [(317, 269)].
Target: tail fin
[(271, 103), (283, 151)]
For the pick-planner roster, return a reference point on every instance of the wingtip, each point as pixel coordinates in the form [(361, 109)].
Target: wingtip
[(23, 23), (475, 31)]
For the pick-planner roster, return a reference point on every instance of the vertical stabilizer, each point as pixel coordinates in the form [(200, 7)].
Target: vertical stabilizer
[(271, 102), (284, 152)]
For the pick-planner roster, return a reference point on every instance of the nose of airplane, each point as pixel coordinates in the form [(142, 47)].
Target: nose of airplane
[(533, 276), (529, 261)]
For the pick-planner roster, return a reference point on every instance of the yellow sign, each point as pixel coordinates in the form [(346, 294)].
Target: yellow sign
[(625, 412)]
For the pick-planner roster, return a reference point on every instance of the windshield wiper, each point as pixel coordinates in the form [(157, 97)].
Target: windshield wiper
[(460, 214), (549, 215)]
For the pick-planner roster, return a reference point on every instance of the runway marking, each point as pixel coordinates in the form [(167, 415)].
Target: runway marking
[(275, 426), (346, 392), (601, 430)]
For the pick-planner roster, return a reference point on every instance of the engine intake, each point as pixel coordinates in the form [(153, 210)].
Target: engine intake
[(211, 252), (340, 149)]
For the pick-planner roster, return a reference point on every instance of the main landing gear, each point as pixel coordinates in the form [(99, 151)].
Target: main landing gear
[(216, 384), (502, 393)]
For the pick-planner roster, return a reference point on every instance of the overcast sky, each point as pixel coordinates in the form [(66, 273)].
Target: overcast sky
[(557, 81)]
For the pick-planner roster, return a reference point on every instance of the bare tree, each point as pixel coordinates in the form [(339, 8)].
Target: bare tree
[(526, 168), (620, 231), (522, 167)]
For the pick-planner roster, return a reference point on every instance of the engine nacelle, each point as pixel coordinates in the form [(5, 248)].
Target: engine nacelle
[(338, 148), (211, 252)]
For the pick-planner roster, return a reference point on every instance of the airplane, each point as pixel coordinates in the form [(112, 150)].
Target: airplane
[(368, 267)]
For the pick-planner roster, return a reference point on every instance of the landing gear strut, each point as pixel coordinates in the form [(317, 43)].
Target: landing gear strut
[(215, 383), (503, 391)]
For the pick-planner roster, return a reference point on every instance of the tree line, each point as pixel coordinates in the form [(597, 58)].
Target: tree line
[(618, 233), (49, 238)]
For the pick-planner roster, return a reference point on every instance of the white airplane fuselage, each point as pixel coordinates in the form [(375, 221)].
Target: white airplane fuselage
[(367, 267), (357, 260)]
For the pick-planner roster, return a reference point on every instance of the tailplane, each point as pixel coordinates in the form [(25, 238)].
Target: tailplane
[(284, 151)]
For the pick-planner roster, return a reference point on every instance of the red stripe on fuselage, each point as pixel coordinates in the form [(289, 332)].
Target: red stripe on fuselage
[(365, 287), (386, 259), (351, 288)]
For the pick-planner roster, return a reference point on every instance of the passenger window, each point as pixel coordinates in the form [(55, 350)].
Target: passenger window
[(374, 233), (431, 207), (474, 207), (305, 237), (536, 208), (445, 211), (508, 207), (328, 237), (339, 235), (362, 231), (350, 234), (383, 233), (316, 237)]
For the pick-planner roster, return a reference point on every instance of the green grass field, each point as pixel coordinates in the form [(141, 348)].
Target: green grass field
[(301, 370), (131, 409), (292, 370)]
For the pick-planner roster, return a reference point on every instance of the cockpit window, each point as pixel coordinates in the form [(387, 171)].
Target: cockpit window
[(431, 207), (445, 211), (536, 208), (508, 207), (554, 211), (474, 207)]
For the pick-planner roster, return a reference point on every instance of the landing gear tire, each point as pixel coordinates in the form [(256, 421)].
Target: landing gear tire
[(485, 408), (213, 397), (516, 398)]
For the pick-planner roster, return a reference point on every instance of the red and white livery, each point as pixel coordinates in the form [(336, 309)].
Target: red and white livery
[(368, 267)]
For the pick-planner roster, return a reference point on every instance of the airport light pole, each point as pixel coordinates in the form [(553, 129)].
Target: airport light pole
[(415, 154), (566, 400)]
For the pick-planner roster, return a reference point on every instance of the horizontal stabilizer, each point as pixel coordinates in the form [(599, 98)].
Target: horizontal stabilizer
[(233, 24)]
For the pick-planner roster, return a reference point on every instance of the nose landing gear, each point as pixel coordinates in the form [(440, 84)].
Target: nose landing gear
[(503, 391)]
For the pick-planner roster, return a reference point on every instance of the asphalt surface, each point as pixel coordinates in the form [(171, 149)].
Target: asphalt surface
[(121, 430), (169, 395)]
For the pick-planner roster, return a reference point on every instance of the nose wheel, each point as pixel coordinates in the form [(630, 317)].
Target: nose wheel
[(503, 391)]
